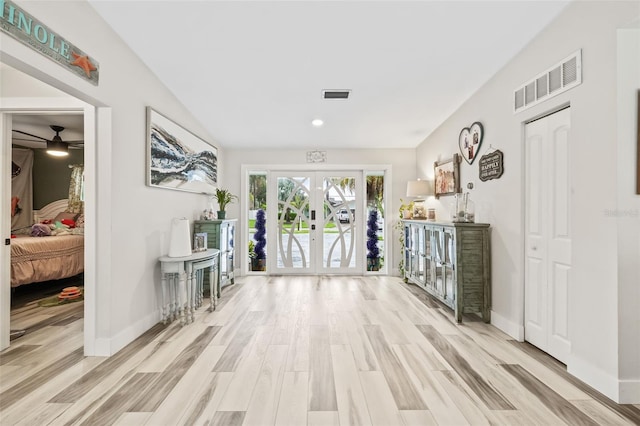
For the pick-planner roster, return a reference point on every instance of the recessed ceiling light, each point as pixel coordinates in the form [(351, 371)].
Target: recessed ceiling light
[(317, 122)]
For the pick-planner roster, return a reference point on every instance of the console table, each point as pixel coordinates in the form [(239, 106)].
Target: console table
[(452, 262), (182, 284)]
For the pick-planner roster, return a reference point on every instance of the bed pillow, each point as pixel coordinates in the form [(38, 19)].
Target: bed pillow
[(40, 230), (65, 215)]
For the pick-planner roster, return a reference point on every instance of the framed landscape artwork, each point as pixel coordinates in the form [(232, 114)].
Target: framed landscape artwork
[(178, 159), (447, 176)]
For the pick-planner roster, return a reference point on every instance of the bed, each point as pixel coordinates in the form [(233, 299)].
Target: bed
[(37, 259)]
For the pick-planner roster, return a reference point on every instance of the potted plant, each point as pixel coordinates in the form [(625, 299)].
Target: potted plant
[(252, 254), (258, 262), (406, 210), (373, 254), (224, 197)]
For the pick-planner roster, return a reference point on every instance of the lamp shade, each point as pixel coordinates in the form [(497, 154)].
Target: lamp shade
[(418, 188), (180, 241)]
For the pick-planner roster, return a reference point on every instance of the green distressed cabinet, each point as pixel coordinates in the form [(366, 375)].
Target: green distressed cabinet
[(452, 262), (221, 236)]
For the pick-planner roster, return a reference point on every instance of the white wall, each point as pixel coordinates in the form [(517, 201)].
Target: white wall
[(139, 220), (594, 296), (628, 213), (402, 161)]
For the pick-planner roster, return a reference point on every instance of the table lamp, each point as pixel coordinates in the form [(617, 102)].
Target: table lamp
[(419, 188), (180, 240)]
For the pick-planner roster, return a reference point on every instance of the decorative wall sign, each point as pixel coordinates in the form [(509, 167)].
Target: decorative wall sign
[(316, 156), (178, 159), (491, 165), (30, 31), (470, 140), (447, 176)]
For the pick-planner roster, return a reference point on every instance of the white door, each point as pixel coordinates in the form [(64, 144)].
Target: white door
[(315, 225), (548, 234)]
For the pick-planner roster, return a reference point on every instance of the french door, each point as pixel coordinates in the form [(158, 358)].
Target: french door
[(548, 234), (315, 223)]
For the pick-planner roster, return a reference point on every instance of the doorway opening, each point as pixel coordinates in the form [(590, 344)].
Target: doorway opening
[(28, 95), (47, 221), (315, 221)]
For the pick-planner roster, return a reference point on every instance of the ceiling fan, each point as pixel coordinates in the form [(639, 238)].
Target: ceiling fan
[(55, 146)]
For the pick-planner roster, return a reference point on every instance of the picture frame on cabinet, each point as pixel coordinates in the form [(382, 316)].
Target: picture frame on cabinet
[(447, 176), (199, 242), (178, 159)]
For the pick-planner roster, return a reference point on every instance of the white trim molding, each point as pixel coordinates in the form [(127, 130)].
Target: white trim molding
[(507, 326)]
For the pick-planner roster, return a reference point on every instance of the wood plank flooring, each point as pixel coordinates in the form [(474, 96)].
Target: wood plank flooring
[(294, 351)]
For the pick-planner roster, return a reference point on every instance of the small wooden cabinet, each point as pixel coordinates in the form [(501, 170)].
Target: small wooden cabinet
[(221, 236), (452, 262)]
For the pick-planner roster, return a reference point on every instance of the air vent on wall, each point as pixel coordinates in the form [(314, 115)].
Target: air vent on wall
[(557, 79), (336, 94)]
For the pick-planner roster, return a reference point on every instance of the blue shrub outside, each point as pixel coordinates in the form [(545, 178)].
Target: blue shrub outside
[(372, 235), (259, 236)]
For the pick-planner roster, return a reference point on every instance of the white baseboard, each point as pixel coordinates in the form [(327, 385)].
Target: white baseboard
[(509, 327), (109, 346), (629, 391), (594, 377)]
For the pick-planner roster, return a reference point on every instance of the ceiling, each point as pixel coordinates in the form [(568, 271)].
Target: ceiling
[(39, 125), (253, 72)]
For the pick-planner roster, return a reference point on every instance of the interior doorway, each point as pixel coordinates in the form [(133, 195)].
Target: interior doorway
[(346, 204), (52, 101), (47, 221), (548, 233)]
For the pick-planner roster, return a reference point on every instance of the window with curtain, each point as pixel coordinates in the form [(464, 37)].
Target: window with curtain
[(76, 189)]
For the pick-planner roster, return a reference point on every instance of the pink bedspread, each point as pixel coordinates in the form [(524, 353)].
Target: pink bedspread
[(35, 259)]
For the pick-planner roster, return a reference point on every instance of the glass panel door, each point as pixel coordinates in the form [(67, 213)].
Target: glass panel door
[(291, 223), (316, 228), (340, 231)]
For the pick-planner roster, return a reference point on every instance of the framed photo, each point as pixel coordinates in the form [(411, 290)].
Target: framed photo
[(199, 241), (447, 176), (470, 140), (178, 159)]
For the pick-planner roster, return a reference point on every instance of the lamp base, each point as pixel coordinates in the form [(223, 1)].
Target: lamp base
[(419, 210)]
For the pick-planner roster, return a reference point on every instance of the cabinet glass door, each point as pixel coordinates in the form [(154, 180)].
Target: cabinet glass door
[(224, 258), (229, 232), (407, 250), (444, 246), (420, 255), (428, 257), (413, 251)]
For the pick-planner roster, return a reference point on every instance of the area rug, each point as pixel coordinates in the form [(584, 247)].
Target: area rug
[(68, 295)]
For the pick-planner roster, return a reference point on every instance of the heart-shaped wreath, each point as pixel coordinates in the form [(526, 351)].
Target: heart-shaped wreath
[(470, 140)]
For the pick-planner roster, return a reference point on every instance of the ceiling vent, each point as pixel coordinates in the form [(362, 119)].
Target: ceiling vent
[(336, 94), (557, 79)]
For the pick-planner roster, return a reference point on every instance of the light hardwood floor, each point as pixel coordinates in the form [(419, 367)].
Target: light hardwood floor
[(296, 351)]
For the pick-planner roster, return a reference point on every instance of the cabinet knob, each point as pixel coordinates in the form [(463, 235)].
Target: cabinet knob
[(534, 248)]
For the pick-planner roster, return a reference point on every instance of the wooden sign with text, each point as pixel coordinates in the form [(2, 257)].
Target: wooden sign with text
[(491, 165), (33, 33)]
